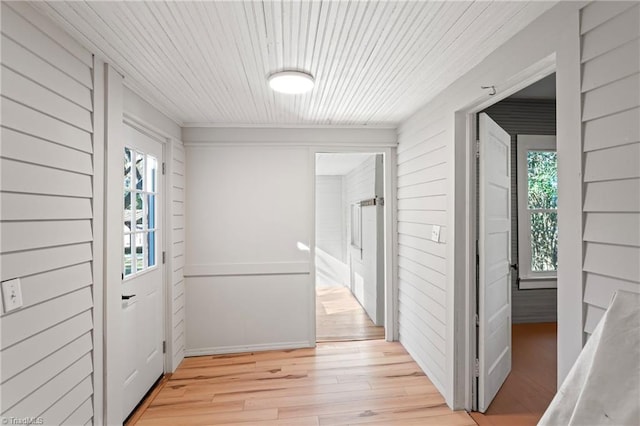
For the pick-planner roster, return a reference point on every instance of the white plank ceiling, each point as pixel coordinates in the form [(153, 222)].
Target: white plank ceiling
[(374, 63)]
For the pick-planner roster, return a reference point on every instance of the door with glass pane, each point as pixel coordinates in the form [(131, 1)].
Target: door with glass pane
[(142, 271)]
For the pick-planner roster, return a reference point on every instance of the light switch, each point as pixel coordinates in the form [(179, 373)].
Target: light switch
[(435, 233), (11, 294)]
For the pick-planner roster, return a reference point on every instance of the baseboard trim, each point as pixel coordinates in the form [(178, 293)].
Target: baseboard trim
[(248, 348)]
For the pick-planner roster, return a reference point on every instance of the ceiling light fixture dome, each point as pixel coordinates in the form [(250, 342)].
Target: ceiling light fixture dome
[(292, 82)]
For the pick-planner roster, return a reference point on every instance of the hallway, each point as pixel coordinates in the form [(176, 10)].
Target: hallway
[(339, 317)]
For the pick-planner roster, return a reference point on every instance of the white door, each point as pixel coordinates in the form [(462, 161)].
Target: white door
[(142, 286), (494, 249)]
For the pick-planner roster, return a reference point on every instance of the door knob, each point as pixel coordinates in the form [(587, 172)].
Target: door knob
[(128, 296)]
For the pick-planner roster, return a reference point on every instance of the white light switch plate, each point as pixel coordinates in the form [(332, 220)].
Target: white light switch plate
[(435, 233), (11, 294)]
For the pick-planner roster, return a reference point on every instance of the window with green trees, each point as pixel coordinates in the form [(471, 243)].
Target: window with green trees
[(537, 182), (542, 196)]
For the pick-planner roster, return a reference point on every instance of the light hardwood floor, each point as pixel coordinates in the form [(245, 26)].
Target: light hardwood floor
[(339, 316), (340, 383), (531, 385)]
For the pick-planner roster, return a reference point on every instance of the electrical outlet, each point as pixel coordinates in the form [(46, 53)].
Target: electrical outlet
[(11, 294), (435, 233)]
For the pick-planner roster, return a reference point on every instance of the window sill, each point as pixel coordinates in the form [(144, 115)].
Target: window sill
[(537, 283)]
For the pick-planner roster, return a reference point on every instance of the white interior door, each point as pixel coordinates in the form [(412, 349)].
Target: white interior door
[(494, 247), (142, 286)]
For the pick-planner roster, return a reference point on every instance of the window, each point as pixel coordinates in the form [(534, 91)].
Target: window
[(140, 204), (537, 211)]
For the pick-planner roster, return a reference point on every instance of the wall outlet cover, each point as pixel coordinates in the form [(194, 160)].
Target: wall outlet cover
[(11, 294), (435, 233)]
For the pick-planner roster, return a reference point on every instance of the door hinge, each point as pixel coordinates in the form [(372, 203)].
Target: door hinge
[(164, 168), (164, 257), (477, 320), (164, 346), (477, 148), (476, 370)]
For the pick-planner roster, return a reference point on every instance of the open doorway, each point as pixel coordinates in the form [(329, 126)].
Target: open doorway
[(529, 120), (350, 275)]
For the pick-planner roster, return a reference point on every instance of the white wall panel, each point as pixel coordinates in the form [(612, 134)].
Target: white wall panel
[(177, 251), (37, 69), (248, 210), (331, 233), (363, 183), (612, 130), (46, 219), (611, 109), (15, 206), (21, 147), (41, 99), (245, 313)]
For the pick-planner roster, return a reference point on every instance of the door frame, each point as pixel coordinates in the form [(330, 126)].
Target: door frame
[(390, 234), (465, 252), (112, 363)]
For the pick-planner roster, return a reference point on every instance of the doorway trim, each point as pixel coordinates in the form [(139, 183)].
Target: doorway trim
[(390, 234), (465, 220), (110, 299)]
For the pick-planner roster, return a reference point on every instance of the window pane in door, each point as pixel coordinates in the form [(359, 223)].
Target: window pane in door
[(139, 171), (542, 179), (151, 251), (139, 212), (139, 238), (128, 268), (151, 211), (127, 211), (127, 168), (544, 241)]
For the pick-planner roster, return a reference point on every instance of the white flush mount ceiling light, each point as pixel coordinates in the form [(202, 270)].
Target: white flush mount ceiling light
[(292, 82)]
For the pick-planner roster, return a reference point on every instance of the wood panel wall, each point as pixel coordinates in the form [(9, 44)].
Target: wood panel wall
[(610, 39), (422, 276), (46, 220), (177, 170)]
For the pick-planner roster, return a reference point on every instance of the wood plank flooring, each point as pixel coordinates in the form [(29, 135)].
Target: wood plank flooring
[(340, 317), (530, 387), (340, 383)]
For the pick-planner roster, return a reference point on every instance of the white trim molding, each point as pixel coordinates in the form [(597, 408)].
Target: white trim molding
[(234, 269), (282, 136), (248, 348)]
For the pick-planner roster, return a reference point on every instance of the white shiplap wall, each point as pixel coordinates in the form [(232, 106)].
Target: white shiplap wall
[(177, 170), (331, 244), (330, 224), (422, 275), (610, 38), (366, 263), (360, 183), (46, 220)]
